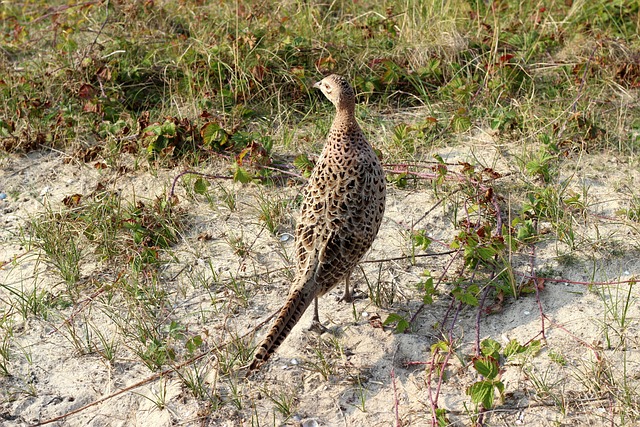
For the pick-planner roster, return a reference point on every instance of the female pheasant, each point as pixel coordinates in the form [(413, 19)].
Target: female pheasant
[(342, 208)]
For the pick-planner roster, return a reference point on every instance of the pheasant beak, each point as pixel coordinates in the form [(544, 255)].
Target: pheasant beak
[(317, 84)]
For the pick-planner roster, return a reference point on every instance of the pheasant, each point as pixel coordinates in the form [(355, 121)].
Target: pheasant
[(342, 208)]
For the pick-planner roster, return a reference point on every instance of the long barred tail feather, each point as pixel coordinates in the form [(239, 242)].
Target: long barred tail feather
[(289, 315)]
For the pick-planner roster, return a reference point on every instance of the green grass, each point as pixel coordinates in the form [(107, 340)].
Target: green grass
[(104, 72), (133, 89)]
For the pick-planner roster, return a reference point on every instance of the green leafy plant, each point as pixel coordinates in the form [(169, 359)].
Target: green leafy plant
[(401, 323), (490, 366)]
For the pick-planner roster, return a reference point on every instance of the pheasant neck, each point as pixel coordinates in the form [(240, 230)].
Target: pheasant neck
[(345, 117)]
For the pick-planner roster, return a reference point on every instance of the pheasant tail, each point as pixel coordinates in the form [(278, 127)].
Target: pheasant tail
[(299, 299)]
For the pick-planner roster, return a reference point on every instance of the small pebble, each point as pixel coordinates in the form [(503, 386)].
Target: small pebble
[(294, 361), (527, 313), (310, 423), (285, 237), (3, 196), (45, 191), (365, 314)]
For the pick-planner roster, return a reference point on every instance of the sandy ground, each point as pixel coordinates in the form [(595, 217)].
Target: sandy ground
[(376, 376)]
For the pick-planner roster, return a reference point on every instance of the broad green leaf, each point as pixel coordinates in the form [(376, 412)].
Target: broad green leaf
[(157, 144), (210, 132), (428, 287), (485, 253), (192, 344), (534, 347), (482, 393), (168, 129), (213, 135), (421, 240), (241, 175), (460, 123), (303, 164), (200, 186), (486, 366), (513, 348), (465, 297), (401, 323), (490, 347), (155, 128)]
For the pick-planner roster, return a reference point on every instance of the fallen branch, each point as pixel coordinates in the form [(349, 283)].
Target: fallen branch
[(395, 399), (400, 258), (228, 177), (578, 282)]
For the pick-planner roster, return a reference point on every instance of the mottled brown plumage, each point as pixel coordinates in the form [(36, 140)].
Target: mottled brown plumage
[(341, 213)]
